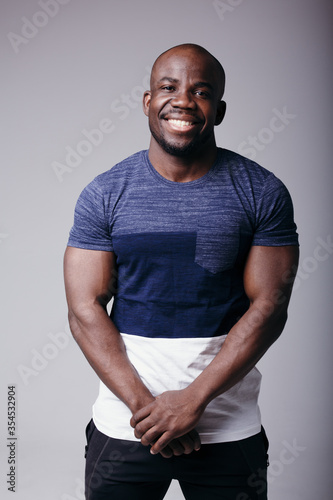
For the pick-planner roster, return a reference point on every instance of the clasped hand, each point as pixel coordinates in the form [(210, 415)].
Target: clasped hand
[(167, 424)]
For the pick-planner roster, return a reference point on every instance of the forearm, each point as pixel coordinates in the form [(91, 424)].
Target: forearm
[(102, 345), (179, 411), (244, 345), (176, 412), (89, 282)]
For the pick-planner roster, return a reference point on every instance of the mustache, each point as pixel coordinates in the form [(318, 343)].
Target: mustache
[(179, 115)]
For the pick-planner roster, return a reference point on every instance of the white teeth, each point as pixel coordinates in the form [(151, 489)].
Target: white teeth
[(180, 123)]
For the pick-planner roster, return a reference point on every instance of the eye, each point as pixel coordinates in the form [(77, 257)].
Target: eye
[(202, 93), (168, 88)]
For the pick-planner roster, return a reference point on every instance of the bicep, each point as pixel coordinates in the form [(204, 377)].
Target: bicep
[(269, 273), (89, 276)]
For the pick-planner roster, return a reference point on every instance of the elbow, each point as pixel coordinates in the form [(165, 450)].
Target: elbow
[(73, 322), (269, 318), (278, 324), (79, 321)]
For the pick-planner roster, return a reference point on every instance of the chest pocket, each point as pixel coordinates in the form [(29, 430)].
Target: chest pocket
[(216, 251)]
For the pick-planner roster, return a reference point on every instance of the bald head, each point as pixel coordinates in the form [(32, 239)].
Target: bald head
[(190, 49)]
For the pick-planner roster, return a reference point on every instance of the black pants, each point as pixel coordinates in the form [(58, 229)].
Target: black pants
[(126, 470)]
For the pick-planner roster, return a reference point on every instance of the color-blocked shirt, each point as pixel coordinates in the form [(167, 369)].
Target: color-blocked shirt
[(180, 252)]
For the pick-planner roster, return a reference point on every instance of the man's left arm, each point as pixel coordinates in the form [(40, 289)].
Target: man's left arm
[(268, 280)]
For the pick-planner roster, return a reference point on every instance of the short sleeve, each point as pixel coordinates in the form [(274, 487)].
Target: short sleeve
[(275, 224), (91, 227)]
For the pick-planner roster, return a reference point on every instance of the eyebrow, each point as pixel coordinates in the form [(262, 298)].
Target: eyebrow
[(168, 79), (204, 84), (175, 80)]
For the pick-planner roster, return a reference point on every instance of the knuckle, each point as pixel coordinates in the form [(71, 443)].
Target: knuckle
[(187, 447), (138, 430), (177, 447), (145, 441), (148, 438)]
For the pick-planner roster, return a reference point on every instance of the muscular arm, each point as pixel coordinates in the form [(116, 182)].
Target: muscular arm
[(89, 278), (89, 281), (178, 411)]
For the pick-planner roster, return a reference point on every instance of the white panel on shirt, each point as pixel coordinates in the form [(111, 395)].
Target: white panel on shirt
[(171, 364)]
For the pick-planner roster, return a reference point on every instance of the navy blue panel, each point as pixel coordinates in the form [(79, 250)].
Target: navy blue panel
[(181, 247), (163, 292)]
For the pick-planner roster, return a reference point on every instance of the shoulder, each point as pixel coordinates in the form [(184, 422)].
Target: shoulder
[(264, 197), (248, 174), (238, 165), (106, 187), (128, 168)]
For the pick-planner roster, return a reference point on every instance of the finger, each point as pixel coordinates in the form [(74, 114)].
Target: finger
[(196, 439), (151, 437), (177, 447), (166, 452), (143, 427), (186, 443), (161, 443), (182, 445), (190, 441), (140, 415)]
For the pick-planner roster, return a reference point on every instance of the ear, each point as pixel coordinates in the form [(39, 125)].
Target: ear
[(220, 112), (146, 102)]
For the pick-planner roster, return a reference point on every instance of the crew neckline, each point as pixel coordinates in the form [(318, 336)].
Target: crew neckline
[(181, 185)]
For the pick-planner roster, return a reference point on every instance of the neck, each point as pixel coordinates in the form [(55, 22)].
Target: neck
[(182, 168)]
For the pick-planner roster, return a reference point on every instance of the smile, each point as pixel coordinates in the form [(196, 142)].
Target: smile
[(184, 126), (180, 123)]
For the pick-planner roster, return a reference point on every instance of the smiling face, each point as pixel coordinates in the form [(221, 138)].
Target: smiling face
[(184, 105)]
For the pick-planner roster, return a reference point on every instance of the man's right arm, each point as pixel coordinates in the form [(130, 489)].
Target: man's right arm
[(88, 283), (89, 276)]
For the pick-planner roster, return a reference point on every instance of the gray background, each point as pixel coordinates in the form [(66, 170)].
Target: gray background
[(76, 69)]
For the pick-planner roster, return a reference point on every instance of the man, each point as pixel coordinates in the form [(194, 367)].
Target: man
[(197, 246)]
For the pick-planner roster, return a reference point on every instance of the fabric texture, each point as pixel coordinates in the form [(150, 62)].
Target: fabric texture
[(172, 364), (180, 253), (125, 470)]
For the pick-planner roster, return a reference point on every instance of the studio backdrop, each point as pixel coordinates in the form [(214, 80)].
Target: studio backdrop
[(73, 75)]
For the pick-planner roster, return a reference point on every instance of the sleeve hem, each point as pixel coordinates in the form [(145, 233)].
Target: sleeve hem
[(89, 246), (276, 243)]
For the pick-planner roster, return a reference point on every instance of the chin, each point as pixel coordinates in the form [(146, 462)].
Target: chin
[(178, 149)]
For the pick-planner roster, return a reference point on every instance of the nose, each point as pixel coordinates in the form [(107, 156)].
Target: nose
[(183, 99)]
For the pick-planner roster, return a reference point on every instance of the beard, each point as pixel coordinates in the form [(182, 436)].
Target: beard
[(178, 149)]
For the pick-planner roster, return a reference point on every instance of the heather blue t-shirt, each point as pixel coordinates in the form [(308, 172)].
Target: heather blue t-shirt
[(181, 247)]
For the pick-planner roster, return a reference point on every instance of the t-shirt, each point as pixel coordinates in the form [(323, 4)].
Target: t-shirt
[(180, 252)]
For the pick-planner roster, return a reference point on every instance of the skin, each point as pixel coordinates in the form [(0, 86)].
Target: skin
[(88, 281), (176, 412), (186, 84)]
